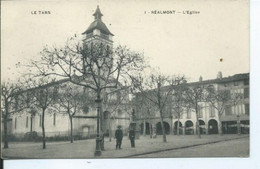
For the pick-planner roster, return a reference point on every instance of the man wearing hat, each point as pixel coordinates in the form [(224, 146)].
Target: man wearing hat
[(119, 137), (132, 137)]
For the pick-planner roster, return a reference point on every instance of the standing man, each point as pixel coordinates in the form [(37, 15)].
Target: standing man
[(119, 137), (132, 137)]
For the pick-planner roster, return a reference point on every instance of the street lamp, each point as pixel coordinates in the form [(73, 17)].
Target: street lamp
[(98, 101), (99, 64), (98, 138), (92, 62)]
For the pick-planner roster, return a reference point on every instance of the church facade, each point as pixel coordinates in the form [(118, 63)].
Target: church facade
[(84, 121)]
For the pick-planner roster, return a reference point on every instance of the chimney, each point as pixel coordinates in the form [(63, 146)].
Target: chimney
[(200, 79), (219, 76)]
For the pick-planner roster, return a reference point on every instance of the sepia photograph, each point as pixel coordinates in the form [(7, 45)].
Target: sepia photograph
[(125, 79)]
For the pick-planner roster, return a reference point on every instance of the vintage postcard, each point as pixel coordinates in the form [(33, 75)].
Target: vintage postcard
[(125, 79)]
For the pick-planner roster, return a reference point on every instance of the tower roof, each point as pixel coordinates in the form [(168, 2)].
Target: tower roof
[(97, 13), (98, 24)]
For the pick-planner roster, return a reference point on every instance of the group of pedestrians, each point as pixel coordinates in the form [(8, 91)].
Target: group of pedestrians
[(119, 137)]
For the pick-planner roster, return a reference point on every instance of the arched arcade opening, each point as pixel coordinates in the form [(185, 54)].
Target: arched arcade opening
[(202, 127), (176, 126), (244, 127), (189, 127), (213, 126), (159, 128), (146, 128)]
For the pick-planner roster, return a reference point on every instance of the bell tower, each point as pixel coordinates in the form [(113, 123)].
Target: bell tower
[(97, 31)]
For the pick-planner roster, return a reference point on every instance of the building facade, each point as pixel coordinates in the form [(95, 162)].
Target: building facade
[(234, 119)]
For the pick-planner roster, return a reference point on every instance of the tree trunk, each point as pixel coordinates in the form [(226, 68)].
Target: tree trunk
[(150, 123), (144, 128), (109, 132), (31, 123), (43, 130), (178, 127), (102, 126), (150, 127), (197, 125), (220, 125), (5, 131), (171, 129), (71, 129), (163, 129), (5, 124)]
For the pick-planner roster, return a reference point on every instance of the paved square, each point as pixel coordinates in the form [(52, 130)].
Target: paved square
[(145, 147)]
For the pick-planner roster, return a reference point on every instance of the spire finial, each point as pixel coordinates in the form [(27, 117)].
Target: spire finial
[(97, 13)]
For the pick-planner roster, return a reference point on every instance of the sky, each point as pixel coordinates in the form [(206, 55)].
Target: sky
[(177, 44)]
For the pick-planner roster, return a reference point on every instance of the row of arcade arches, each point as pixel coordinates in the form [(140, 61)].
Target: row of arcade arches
[(149, 129), (188, 127)]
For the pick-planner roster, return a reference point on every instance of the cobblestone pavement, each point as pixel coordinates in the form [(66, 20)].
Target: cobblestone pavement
[(85, 148)]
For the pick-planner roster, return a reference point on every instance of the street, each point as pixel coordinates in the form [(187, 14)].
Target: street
[(232, 148), (179, 146)]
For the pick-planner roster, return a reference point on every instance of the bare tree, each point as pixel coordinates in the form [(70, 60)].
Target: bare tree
[(13, 101), (157, 89), (95, 66), (146, 110), (236, 98), (179, 103), (218, 99), (195, 95), (44, 92), (69, 102)]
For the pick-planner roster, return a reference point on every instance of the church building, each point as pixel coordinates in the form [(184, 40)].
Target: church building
[(85, 121)]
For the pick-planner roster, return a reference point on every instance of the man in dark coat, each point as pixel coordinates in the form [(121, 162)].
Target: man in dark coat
[(132, 137), (119, 137)]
